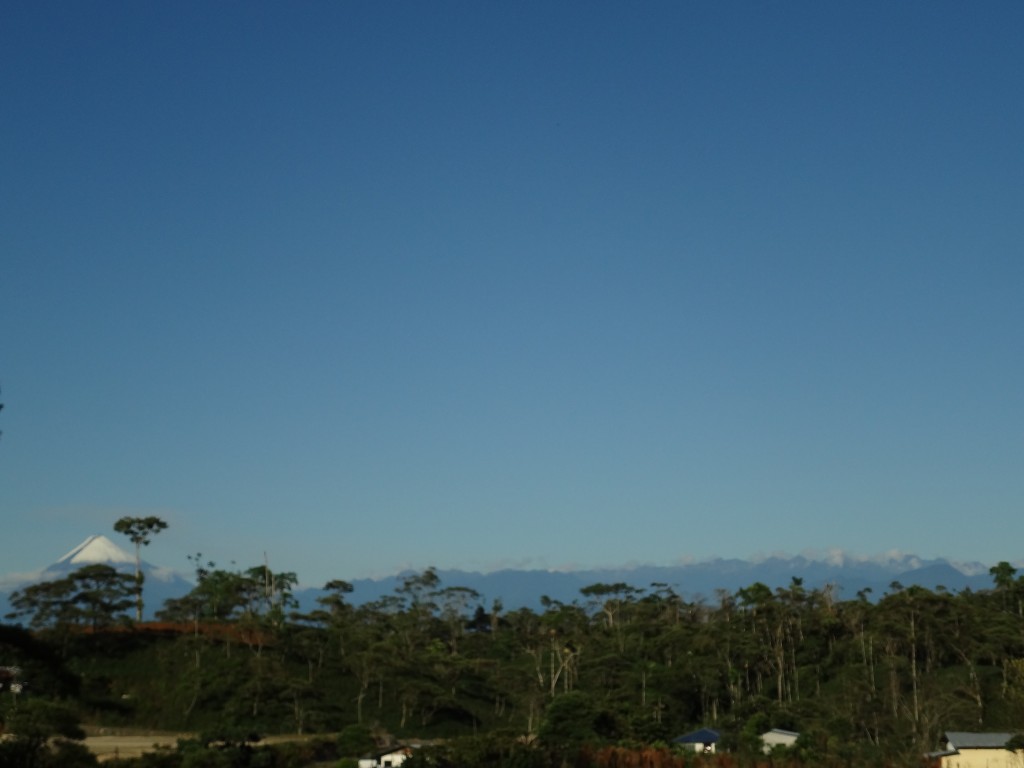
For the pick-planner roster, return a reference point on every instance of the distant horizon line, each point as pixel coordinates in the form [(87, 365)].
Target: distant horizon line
[(835, 557)]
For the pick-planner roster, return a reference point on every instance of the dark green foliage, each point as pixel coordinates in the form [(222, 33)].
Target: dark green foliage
[(355, 740), (42, 668), (627, 668), (68, 754), (299, 754), (95, 596), (159, 759), (496, 750), (30, 726), (571, 720), (1016, 742)]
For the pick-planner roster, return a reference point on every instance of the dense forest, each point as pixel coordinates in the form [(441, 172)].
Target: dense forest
[(870, 680)]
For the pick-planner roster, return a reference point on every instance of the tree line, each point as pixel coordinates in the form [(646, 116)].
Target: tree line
[(872, 678)]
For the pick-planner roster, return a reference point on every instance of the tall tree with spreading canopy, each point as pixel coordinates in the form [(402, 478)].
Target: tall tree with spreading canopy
[(94, 596), (139, 530)]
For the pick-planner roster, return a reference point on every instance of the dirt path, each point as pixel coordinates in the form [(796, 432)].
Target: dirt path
[(107, 747)]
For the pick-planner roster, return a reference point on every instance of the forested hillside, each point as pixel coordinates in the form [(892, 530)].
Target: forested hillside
[(859, 678)]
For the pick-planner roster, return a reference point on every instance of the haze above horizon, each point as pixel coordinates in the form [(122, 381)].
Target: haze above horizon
[(360, 287), (98, 548)]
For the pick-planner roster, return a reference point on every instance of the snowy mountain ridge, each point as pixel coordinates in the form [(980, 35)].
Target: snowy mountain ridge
[(97, 549)]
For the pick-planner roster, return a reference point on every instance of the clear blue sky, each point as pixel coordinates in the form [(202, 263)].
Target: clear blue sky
[(374, 285)]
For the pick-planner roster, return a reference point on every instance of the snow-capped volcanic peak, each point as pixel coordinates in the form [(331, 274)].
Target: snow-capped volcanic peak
[(97, 549)]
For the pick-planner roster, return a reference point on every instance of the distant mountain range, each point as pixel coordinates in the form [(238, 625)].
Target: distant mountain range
[(524, 588), (700, 580)]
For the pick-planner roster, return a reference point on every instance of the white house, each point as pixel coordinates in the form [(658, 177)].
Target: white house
[(965, 749), (777, 737), (391, 758)]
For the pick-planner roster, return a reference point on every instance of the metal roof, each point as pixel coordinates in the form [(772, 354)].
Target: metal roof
[(969, 740), (703, 736)]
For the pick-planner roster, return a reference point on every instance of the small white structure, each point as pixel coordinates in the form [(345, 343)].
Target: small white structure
[(965, 749), (391, 758), (777, 737)]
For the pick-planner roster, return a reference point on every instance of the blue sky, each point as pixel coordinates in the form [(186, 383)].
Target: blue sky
[(365, 286)]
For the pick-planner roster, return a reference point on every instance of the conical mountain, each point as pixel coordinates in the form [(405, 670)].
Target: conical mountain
[(97, 549)]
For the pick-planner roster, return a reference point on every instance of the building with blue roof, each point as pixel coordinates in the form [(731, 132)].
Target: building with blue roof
[(703, 741)]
